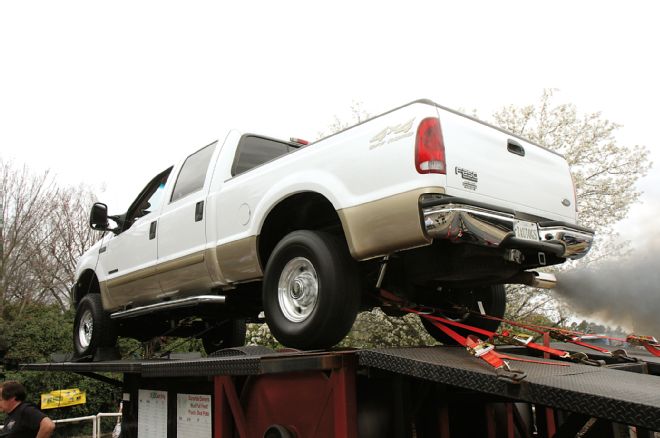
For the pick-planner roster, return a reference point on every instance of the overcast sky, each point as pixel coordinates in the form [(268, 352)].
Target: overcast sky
[(110, 93)]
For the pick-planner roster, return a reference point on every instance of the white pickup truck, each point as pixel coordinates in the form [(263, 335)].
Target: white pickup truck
[(427, 203)]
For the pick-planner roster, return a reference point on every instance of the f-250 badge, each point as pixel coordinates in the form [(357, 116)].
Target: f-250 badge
[(469, 176), (391, 134)]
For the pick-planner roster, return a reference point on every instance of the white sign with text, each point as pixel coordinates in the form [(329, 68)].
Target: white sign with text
[(193, 416), (152, 413)]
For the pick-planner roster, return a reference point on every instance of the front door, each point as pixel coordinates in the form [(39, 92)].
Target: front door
[(129, 258)]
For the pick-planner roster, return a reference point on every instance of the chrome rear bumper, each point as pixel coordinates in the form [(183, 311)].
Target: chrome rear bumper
[(460, 222)]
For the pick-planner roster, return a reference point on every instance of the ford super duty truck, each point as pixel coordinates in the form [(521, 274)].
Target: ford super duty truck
[(422, 201)]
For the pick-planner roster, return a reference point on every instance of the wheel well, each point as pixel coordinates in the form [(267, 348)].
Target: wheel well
[(87, 284), (302, 211)]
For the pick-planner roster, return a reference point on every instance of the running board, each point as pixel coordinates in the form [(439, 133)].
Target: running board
[(169, 305)]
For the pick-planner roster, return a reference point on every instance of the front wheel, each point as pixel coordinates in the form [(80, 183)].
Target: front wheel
[(460, 305), (92, 327), (311, 291)]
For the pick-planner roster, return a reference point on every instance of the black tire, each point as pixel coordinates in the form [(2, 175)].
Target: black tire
[(92, 327), (228, 334), (305, 261), (493, 299)]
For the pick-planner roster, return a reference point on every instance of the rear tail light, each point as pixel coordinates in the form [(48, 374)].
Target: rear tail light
[(430, 147)]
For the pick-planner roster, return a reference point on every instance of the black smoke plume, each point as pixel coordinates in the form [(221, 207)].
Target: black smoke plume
[(621, 292)]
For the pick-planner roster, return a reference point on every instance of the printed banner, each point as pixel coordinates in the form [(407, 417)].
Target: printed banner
[(62, 398)]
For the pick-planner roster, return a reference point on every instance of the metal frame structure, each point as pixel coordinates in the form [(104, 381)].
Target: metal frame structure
[(395, 392)]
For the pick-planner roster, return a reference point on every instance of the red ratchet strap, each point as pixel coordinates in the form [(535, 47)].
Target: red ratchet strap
[(504, 336), (648, 342), (568, 336), (480, 349), (526, 341)]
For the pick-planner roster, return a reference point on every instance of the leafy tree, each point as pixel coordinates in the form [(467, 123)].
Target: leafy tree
[(31, 337), (604, 171)]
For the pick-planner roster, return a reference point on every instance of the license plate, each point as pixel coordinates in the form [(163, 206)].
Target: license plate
[(526, 230)]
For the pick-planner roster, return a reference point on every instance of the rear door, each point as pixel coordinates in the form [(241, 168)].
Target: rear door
[(182, 229), (491, 166)]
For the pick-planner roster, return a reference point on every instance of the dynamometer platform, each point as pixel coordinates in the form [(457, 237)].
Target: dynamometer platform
[(625, 393)]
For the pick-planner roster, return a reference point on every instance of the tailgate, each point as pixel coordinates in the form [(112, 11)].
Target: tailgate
[(488, 165)]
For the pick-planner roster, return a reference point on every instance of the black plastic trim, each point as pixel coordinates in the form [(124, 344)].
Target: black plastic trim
[(517, 243), (565, 224), (515, 148)]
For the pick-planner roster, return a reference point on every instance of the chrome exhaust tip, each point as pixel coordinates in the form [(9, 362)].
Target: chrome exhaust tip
[(542, 280)]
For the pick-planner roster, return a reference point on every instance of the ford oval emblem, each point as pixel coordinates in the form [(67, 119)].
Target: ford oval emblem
[(566, 203)]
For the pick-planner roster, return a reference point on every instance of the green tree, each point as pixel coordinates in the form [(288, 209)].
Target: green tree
[(32, 337)]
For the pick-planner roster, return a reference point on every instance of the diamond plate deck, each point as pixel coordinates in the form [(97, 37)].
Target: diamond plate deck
[(618, 396), (623, 397)]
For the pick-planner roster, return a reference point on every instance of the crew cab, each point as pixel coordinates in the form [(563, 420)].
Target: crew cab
[(429, 204)]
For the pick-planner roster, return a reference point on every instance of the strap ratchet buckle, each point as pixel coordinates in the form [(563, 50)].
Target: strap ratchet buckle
[(561, 335), (641, 340), (584, 359), (480, 348), (510, 338), (510, 375), (622, 355)]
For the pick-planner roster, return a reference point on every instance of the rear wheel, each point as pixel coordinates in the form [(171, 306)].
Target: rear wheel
[(458, 305), (228, 334), (92, 328), (311, 291)]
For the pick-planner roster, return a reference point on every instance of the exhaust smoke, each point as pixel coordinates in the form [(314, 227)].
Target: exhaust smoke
[(621, 292)]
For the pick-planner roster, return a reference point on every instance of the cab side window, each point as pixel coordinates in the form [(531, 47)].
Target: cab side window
[(193, 173), (254, 151), (155, 200), (148, 201)]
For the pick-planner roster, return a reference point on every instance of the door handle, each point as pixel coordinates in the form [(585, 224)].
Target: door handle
[(515, 148), (199, 211), (152, 230)]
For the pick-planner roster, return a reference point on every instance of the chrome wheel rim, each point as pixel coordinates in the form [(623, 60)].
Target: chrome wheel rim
[(86, 329), (298, 289)]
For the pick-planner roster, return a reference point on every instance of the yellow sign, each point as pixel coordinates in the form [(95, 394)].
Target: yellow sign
[(62, 398)]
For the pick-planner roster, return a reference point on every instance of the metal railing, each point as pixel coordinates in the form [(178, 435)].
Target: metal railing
[(95, 419), (104, 415)]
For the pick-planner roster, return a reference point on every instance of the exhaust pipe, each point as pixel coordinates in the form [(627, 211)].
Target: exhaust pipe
[(542, 280)]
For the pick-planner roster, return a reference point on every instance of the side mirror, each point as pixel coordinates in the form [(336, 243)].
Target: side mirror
[(98, 217)]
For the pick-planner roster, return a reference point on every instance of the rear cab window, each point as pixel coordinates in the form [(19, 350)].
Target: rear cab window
[(193, 173), (254, 151)]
